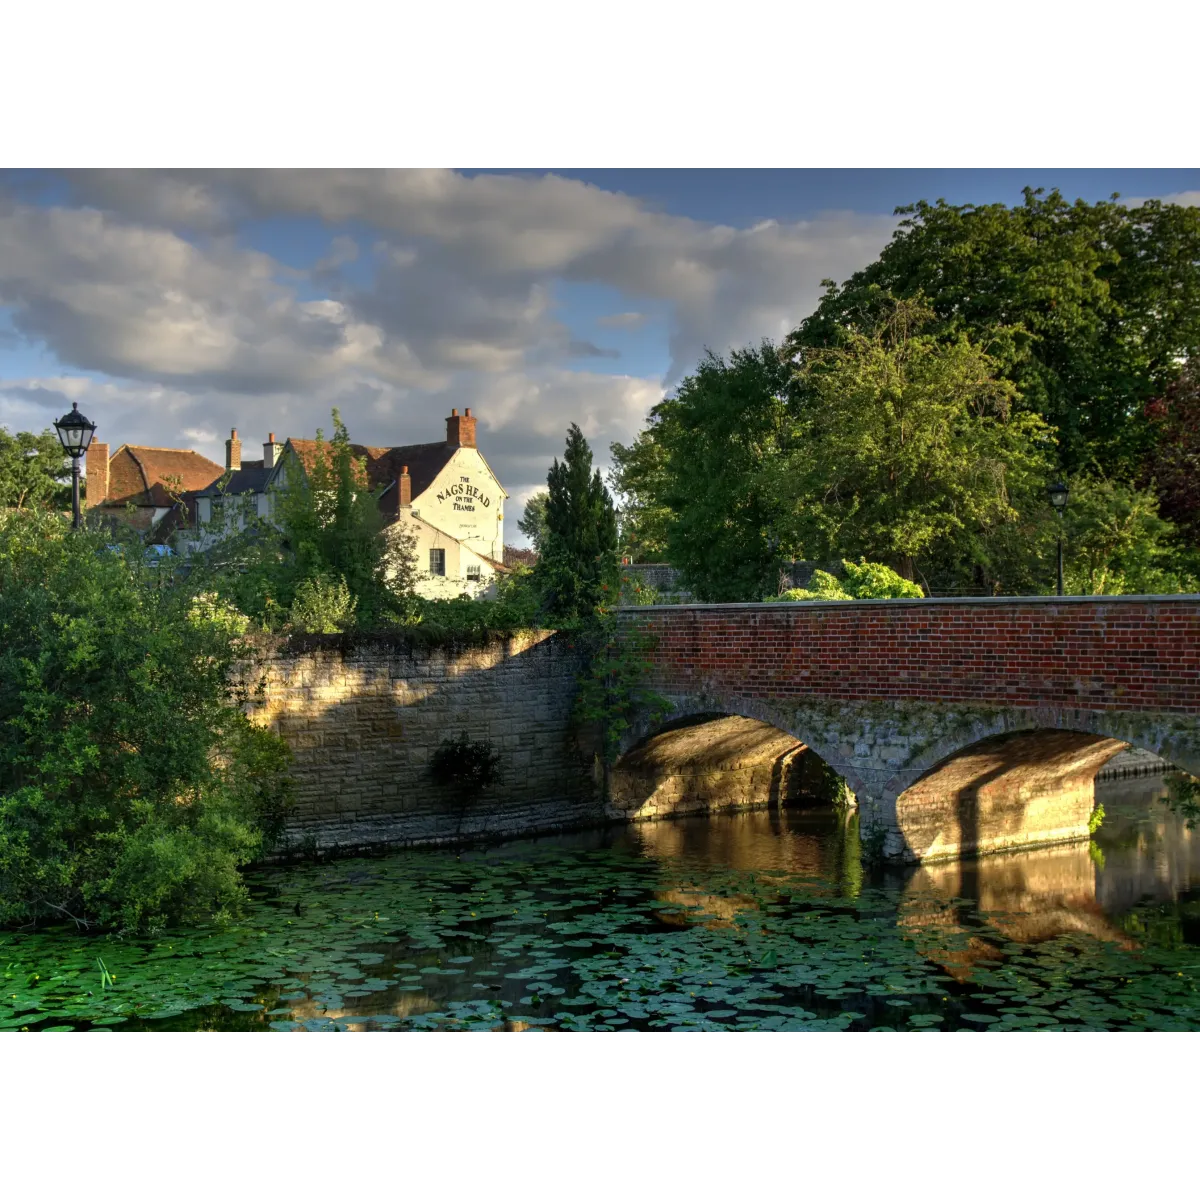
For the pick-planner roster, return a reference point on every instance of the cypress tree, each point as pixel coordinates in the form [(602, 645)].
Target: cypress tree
[(577, 569)]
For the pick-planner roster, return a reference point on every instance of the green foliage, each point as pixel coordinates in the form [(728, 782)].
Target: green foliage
[(1100, 304), (323, 562), (1173, 465), (1183, 798), (906, 444), (861, 581), (577, 571), (1115, 543), (1096, 819), (33, 470), (701, 480), (517, 607), (639, 477), (533, 521), (132, 786), (466, 766), (634, 591), (322, 605), (613, 689)]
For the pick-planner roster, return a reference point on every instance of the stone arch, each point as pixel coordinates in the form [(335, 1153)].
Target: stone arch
[(1020, 777), (716, 704), (1176, 741)]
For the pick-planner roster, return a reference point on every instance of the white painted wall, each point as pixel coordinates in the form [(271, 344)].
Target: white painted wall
[(459, 559), (467, 502)]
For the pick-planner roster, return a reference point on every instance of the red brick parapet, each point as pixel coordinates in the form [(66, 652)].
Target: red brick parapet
[(1128, 653)]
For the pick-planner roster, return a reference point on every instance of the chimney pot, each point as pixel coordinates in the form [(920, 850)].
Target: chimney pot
[(460, 431)]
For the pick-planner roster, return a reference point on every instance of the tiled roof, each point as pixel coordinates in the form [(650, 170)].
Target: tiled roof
[(137, 474), (424, 461), (249, 477)]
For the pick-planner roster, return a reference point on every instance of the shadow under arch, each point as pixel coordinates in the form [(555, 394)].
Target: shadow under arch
[(709, 762), (715, 705), (1020, 778)]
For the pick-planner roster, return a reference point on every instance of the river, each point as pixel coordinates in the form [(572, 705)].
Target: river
[(759, 920)]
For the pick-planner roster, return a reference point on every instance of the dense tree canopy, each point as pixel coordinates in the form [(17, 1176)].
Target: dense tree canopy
[(132, 786), (918, 414), (1090, 309), (703, 479), (33, 470), (906, 444)]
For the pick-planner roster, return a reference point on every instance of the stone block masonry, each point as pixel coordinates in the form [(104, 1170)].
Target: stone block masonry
[(364, 716)]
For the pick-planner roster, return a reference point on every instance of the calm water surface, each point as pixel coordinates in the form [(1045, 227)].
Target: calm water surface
[(755, 921)]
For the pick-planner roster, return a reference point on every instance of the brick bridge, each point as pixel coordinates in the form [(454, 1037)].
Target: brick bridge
[(962, 726)]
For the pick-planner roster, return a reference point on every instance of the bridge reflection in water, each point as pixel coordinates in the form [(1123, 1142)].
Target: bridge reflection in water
[(960, 914)]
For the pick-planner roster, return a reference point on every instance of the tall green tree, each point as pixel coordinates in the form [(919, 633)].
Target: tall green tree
[(577, 571), (1088, 309), (702, 478), (638, 479), (33, 470), (533, 520), (907, 443)]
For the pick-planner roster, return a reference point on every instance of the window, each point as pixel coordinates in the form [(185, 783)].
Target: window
[(437, 562), (473, 572)]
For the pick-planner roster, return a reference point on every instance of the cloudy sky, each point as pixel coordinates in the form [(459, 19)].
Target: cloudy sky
[(175, 305)]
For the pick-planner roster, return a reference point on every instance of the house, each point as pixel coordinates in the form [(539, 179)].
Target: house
[(241, 490), (443, 493), (152, 479)]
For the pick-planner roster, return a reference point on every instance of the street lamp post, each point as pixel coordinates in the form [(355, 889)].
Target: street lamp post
[(75, 432), (1059, 495)]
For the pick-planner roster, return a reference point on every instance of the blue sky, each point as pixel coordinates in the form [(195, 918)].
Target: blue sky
[(175, 305)]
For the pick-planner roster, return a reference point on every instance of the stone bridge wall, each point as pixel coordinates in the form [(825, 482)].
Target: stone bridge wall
[(364, 716)]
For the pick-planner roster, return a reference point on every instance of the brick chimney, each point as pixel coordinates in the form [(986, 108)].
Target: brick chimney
[(404, 486), (270, 450), (233, 452), (96, 462), (460, 431)]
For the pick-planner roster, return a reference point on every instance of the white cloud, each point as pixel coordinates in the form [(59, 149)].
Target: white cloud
[(146, 279)]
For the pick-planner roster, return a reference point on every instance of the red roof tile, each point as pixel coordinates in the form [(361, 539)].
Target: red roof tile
[(139, 474)]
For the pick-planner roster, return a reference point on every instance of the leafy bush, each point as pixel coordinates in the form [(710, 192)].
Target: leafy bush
[(864, 581), (132, 786), (466, 766), (323, 605)]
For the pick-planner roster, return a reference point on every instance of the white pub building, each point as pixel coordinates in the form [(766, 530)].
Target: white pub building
[(444, 493)]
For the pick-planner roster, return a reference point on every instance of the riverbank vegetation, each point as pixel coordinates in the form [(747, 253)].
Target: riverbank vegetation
[(132, 786)]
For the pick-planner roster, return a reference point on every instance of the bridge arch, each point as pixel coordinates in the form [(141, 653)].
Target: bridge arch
[(811, 735), (1178, 743), (1018, 778)]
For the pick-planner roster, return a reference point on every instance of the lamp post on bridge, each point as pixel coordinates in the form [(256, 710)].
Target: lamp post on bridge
[(1059, 495), (75, 432)]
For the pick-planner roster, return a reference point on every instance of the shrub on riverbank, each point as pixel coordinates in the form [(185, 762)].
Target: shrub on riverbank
[(132, 786)]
